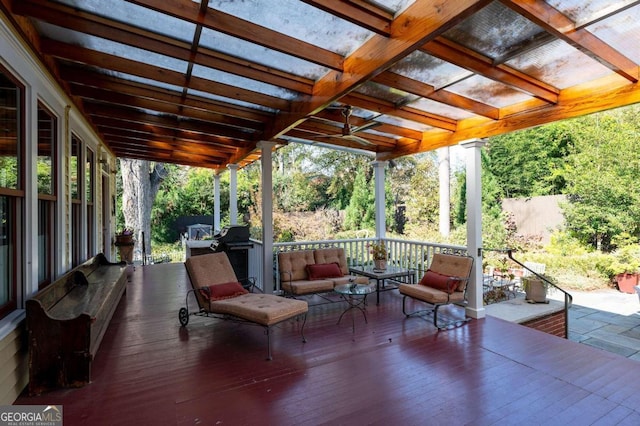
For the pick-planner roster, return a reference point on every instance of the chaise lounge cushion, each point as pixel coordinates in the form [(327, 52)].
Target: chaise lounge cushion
[(264, 309)]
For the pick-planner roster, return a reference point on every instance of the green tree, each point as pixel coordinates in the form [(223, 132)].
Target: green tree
[(360, 213), (527, 163), (602, 173)]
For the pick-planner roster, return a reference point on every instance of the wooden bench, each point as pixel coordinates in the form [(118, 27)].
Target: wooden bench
[(67, 320)]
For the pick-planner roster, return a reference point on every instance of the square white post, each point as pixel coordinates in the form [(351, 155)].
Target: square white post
[(233, 194), (444, 169), (475, 309), (379, 174), (267, 214), (216, 203)]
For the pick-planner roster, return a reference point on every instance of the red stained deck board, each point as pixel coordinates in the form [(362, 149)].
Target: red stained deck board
[(391, 370)]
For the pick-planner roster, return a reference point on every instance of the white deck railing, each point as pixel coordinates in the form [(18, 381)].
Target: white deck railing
[(414, 255)]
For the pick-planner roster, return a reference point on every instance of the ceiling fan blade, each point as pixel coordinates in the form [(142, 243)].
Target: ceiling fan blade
[(358, 139)]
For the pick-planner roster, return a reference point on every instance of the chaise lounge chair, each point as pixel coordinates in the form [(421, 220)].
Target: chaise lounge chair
[(220, 295)]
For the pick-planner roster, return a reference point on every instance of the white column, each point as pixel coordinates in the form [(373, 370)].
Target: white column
[(475, 309), (379, 174), (267, 214), (444, 170), (233, 194), (216, 203)]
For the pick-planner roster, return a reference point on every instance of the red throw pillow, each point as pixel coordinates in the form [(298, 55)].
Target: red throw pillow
[(320, 271), (439, 281), (223, 291)]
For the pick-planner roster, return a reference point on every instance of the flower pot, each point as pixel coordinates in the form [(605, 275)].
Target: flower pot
[(535, 290), (626, 282), (124, 239), (380, 264)]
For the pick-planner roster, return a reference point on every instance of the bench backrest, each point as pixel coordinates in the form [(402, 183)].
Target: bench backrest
[(292, 265), (332, 255)]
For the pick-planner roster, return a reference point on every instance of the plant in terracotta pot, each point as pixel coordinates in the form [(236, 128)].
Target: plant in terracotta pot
[(624, 268), (379, 254), (125, 236), (536, 289)]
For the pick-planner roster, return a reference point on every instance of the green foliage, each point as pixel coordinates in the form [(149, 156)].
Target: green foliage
[(360, 213), (602, 174), (526, 163)]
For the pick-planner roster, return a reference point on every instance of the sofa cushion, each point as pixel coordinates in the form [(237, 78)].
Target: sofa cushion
[(331, 255), (320, 271), (350, 279), (301, 287), (440, 281), (292, 265), (222, 291)]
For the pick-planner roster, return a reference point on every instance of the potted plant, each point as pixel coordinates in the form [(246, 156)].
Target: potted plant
[(124, 237), (380, 255), (536, 288), (625, 268)]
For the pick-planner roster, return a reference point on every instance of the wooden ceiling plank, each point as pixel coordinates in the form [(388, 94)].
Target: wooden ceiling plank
[(245, 30), (564, 28), (116, 141)]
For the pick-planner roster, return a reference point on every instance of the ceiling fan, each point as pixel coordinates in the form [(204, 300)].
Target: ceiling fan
[(348, 131)]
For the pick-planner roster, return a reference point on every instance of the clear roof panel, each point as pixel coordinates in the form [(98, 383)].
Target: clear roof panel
[(387, 93), (137, 16), (488, 91), (621, 31), (393, 6), (429, 69), (207, 95), (112, 48), (494, 31), (300, 21), (556, 64), (401, 122), (583, 12), (437, 108), (245, 83), (215, 40)]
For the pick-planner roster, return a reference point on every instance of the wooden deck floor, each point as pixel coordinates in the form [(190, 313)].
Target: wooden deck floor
[(391, 371)]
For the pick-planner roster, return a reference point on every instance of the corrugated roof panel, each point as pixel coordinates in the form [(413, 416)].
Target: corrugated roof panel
[(252, 52), (430, 70), (299, 20), (488, 91), (138, 16), (556, 64)]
